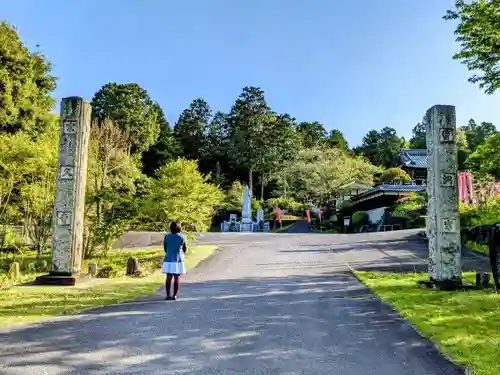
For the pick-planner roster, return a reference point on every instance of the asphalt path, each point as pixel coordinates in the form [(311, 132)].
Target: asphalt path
[(263, 304)]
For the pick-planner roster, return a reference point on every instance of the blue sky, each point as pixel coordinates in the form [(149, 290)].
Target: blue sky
[(351, 65)]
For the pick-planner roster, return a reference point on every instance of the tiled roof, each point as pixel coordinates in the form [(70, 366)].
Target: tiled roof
[(390, 189), (401, 187), (414, 158), (355, 184)]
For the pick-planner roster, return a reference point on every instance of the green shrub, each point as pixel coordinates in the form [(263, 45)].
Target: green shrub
[(181, 193), (404, 209), (484, 214), (286, 204), (10, 238), (359, 218), (107, 271), (256, 205), (394, 174)]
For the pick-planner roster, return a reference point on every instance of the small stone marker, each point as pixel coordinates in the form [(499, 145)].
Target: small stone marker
[(14, 270), (132, 266), (443, 224), (260, 216), (92, 269), (43, 264), (68, 221), (482, 279)]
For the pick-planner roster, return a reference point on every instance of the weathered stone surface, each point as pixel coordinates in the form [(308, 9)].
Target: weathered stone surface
[(443, 225), (67, 236), (14, 271), (92, 269), (132, 266)]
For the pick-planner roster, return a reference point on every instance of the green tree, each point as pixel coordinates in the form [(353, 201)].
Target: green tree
[(486, 159), (418, 139), (336, 139), (181, 193), (463, 150), (318, 174), (215, 151), (25, 85), (132, 110), (191, 129), (163, 150), (246, 123), (381, 147), (477, 134), (28, 168), (392, 175), (313, 134), (112, 173), (478, 35), (279, 143)]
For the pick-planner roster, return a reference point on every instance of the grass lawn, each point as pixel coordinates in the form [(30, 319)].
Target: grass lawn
[(464, 325), (28, 304)]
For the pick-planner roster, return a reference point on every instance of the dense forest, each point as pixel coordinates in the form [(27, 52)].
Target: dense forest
[(144, 172)]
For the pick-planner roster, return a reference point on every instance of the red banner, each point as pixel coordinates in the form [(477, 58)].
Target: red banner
[(308, 216), (461, 185), (278, 215), (472, 196), (319, 214)]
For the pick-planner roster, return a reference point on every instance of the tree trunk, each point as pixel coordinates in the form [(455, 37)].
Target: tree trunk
[(250, 182), (262, 184)]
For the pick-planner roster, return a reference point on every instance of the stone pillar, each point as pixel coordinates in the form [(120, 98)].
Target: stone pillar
[(443, 222), (68, 217)]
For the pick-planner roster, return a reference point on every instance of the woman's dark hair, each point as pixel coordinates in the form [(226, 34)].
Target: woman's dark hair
[(175, 227)]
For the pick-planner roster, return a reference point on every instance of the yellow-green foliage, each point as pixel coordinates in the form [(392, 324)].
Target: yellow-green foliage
[(27, 172), (484, 214), (403, 209), (181, 193), (286, 204), (394, 174)]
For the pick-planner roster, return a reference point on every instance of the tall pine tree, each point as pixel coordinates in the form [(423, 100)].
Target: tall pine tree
[(246, 127), (191, 129)]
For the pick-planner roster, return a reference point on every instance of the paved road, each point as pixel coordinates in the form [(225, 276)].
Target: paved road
[(301, 226), (265, 304)]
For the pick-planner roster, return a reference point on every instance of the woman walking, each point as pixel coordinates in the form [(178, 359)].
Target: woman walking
[(175, 247)]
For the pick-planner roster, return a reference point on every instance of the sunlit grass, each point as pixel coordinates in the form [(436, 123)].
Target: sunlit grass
[(465, 324), (28, 304)]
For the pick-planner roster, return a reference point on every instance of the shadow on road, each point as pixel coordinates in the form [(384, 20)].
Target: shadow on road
[(328, 324)]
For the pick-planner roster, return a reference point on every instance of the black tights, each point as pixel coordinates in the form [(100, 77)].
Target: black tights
[(168, 284)]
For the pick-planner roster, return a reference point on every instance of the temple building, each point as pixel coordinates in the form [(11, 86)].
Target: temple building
[(414, 162)]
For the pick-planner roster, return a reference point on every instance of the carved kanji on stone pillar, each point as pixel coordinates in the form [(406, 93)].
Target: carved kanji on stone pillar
[(67, 232), (443, 223)]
